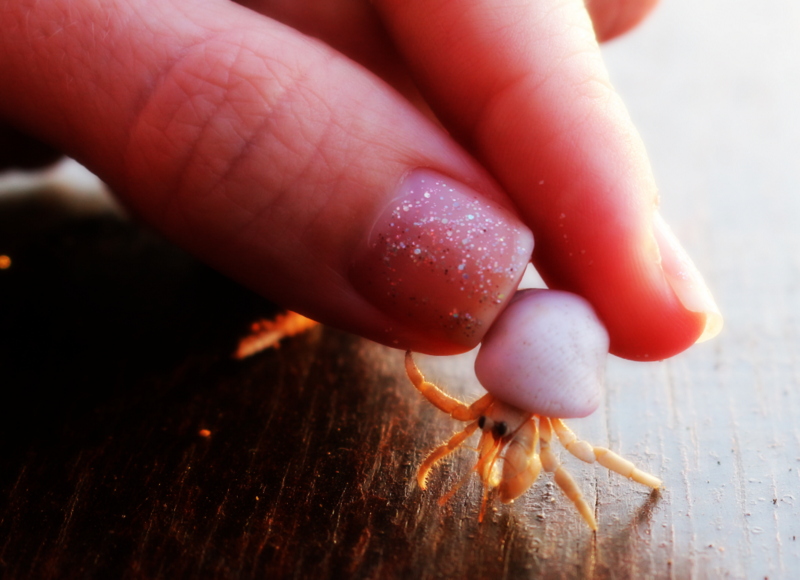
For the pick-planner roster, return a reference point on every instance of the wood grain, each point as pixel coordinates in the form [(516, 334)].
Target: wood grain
[(115, 354)]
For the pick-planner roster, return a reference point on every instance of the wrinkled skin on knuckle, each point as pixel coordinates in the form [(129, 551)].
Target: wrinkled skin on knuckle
[(225, 129), (264, 163)]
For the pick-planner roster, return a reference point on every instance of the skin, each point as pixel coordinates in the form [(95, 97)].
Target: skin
[(270, 154)]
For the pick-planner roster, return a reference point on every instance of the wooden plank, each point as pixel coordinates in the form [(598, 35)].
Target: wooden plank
[(309, 465), (115, 355)]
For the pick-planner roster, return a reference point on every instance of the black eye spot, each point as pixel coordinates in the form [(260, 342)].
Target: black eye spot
[(500, 429), (481, 421)]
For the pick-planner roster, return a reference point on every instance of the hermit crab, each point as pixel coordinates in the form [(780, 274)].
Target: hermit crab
[(515, 445), (545, 353)]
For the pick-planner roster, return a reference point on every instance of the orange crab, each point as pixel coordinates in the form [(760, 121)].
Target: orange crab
[(522, 440)]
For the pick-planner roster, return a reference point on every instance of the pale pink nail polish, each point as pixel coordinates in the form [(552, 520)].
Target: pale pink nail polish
[(442, 258), (685, 279)]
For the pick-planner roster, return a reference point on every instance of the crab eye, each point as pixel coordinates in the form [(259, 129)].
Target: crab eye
[(500, 428), (481, 422)]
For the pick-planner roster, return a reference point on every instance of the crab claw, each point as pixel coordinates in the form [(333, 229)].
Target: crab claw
[(545, 354)]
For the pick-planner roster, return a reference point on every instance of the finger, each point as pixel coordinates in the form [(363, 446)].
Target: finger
[(273, 158), (353, 28), (614, 17), (523, 85)]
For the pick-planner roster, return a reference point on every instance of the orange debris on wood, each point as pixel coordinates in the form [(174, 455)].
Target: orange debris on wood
[(266, 334)]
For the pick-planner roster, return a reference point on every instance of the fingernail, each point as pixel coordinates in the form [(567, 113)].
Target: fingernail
[(442, 259), (685, 279)]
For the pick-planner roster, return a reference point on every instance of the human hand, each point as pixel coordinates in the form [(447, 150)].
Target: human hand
[(277, 160)]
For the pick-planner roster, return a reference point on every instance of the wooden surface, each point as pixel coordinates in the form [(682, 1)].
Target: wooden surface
[(115, 351), (116, 354)]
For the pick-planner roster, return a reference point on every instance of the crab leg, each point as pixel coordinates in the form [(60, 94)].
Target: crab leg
[(441, 400), (608, 459), (443, 450), (266, 334), (489, 449), (564, 480)]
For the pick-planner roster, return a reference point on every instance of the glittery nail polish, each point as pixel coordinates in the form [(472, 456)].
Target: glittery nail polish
[(442, 259)]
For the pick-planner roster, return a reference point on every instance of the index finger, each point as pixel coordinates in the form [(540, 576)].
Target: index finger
[(523, 85)]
